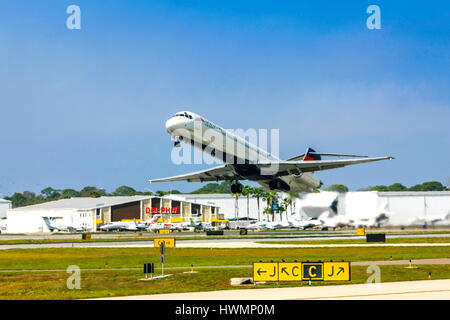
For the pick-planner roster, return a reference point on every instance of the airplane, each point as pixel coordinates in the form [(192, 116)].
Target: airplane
[(200, 226), (370, 222), (58, 227), (430, 219), (125, 226), (120, 226), (303, 224), (336, 221), (246, 161), (270, 225), (154, 225)]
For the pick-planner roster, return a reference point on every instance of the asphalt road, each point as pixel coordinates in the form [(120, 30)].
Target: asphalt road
[(423, 290), (212, 243)]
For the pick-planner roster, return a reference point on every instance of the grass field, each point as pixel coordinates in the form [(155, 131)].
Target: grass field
[(96, 284), (148, 236), (60, 258), (363, 241), (41, 273)]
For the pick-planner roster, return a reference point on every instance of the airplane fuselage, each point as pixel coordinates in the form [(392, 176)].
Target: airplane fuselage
[(240, 154)]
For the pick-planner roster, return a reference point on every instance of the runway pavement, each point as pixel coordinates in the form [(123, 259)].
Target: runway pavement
[(423, 290), (208, 243)]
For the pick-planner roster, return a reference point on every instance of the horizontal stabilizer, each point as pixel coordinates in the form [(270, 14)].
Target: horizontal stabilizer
[(302, 156)]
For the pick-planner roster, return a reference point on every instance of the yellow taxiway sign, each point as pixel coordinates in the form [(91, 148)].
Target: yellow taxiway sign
[(290, 271), (265, 271), (336, 271), (312, 271), (168, 242)]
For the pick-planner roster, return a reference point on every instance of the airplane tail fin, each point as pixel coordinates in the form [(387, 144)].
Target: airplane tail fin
[(48, 223), (311, 155), (155, 218)]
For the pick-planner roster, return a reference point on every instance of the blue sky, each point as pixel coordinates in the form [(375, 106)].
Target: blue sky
[(87, 107)]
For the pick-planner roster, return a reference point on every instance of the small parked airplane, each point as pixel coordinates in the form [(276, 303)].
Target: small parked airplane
[(270, 225), (120, 226), (155, 226), (245, 161), (303, 224), (52, 226), (200, 226), (429, 219), (334, 221)]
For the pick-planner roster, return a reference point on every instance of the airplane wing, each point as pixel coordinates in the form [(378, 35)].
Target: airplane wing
[(290, 167), (223, 172), (274, 169)]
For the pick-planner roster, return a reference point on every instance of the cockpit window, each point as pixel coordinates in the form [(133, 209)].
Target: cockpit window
[(183, 115)]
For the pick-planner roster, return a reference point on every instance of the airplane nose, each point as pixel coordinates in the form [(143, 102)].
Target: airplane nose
[(171, 124)]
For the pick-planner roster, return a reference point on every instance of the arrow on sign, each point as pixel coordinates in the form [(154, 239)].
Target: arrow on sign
[(260, 271), (284, 270), (340, 270)]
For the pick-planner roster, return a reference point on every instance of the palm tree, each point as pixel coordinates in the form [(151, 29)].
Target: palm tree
[(267, 211), (236, 206), (282, 208), (247, 191), (269, 196), (287, 202), (258, 193)]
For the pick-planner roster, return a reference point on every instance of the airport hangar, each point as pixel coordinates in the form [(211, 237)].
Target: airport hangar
[(5, 205), (91, 213), (400, 207)]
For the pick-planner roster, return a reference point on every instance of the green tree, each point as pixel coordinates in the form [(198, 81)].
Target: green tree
[(69, 193), (124, 191), (282, 208), (161, 193), (258, 193), (397, 187), (18, 199), (92, 192), (50, 193), (269, 197), (236, 202), (286, 203), (428, 186), (224, 187), (379, 188), (247, 192), (337, 188), (30, 196)]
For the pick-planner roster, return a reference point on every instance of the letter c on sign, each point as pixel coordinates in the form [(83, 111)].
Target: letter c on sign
[(312, 275)]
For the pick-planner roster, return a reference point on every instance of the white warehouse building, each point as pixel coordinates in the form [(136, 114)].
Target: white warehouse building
[(227, 204), (400, 208), (90, 213), (5, 205)]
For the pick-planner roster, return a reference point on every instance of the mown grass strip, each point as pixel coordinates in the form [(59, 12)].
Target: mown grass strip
[(97, 284), (100, 258)]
